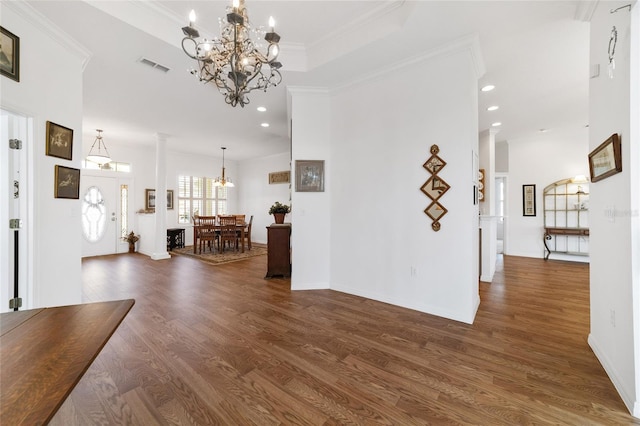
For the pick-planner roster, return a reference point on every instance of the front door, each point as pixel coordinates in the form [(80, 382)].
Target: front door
[(99, 215)]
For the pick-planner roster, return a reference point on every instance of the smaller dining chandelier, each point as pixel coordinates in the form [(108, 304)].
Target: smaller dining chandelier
[(233, 61), (98, 152), (223, 181)]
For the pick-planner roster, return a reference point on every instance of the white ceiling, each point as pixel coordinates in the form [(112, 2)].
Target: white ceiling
[(535, 52)]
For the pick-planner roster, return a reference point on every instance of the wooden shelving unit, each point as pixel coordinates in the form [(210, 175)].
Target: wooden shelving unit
[(566, 218)]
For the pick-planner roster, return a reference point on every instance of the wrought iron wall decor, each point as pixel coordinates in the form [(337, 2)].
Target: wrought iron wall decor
[(435, 187)]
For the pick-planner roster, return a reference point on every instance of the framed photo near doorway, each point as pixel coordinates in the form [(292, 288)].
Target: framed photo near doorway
[(10, 54), (67, 183), (528, 200), (59, 141)]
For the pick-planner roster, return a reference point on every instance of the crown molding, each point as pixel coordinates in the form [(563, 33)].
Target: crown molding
[(385, 19), (585, 10), (469, 45), (37, 19)]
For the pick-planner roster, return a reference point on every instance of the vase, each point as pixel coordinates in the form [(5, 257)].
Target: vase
[(279, 217), (132, 247)]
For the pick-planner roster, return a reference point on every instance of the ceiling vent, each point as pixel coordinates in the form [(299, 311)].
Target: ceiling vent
[(154, 64)]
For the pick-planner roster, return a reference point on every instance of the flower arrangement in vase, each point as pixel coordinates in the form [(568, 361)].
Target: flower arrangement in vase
[(132, 239)]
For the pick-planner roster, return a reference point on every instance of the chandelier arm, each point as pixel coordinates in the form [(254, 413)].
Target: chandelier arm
[(195, 47)]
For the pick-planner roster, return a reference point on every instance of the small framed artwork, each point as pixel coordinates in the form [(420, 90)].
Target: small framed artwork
[(279, 177), (9, 54), (149, 199), (606, 159), (59, 141), (528, 200), (67, 183), (309, 175), (169, 199)]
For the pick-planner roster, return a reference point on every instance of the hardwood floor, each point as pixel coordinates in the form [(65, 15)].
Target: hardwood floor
[(220, 345)]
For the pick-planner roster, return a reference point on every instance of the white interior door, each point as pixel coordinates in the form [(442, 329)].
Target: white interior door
[(100, 206)]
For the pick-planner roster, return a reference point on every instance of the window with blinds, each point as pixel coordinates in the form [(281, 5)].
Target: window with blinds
[(198, 196)]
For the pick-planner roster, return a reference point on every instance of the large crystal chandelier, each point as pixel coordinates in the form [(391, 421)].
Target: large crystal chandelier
[(233, 61)]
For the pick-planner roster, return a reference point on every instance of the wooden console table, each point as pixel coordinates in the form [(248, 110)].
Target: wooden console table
[(278, 250), (548, 232), (46, 351)]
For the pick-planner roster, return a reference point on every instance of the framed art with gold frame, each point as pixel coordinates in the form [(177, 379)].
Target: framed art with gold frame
[(606, 159), (59, 141), (67, 183)]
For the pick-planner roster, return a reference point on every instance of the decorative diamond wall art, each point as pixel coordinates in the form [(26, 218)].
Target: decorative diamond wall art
[(435, 187)]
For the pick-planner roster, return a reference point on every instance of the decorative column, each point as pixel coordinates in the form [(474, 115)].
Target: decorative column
[(160, 240)]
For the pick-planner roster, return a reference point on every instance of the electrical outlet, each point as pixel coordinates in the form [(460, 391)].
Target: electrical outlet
[(613, 318)]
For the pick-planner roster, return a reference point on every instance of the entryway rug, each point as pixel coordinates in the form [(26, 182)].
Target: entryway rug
[(225, 257)]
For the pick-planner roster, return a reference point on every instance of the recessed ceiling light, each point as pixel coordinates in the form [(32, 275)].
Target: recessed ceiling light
[(493, 108), (261, 109), (488, 88), (265, 124), (496, 124), (543, 130)]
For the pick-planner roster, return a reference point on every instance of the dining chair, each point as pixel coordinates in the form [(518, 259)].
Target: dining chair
[(195, 219), (247, 232), (207, 232), (227, 233)]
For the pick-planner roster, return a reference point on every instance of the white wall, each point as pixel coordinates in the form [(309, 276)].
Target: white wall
[(311, 214), (54, 224), (615, 238), (541, 160), (256, 196), (382, 243)]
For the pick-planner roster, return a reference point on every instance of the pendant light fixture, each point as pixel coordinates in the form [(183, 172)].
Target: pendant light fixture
[(98, 152), (223, 181)]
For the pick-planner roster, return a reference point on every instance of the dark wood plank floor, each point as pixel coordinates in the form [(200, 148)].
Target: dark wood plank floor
[(220, 345)]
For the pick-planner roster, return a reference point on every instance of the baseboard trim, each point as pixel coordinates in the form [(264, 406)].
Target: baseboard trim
[(632, 406)]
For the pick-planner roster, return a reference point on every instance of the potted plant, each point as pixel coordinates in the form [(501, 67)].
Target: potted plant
[(278, 211), (132, 239)]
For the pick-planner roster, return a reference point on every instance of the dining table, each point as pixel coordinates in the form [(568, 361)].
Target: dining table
[(241, 227)]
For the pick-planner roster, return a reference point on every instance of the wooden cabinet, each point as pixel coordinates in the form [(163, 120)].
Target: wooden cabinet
[(279, 250), (566, 218)]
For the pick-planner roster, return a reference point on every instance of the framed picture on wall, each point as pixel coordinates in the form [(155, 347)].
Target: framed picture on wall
[(59, 141), (67, 183), (309, 175), (279, 177), (169, 199), (10, 53), (528, 200), (606, 159)]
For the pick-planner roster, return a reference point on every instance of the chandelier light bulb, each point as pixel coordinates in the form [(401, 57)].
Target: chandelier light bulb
[(192, 17), (272, 23), (236, 4)]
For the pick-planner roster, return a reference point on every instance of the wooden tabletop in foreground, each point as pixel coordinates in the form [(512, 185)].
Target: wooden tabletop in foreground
[(44, 353)]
